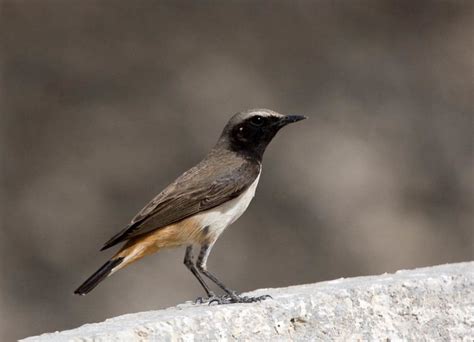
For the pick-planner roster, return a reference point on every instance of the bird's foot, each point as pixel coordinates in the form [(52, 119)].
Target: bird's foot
[(235, 298), (204, 300)]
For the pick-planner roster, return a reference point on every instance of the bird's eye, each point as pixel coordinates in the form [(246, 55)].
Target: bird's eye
[(257, 120)]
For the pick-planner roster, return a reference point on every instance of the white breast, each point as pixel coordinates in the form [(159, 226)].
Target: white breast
[(220, 217)]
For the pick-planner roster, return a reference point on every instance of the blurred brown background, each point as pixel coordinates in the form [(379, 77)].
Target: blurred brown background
[(105, 102)]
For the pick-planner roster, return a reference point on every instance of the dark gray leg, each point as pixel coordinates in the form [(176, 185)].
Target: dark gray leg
[(201, 266), (188, 261), (232, 296)]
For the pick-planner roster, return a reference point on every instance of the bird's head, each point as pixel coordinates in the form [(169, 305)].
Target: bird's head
[(251, 131)]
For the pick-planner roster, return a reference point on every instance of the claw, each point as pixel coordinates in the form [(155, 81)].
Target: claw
[(210, 300), (225, 299), (265, 297), (217, 301), (234, 298), (231, 299), (199, 300), (202, 300)]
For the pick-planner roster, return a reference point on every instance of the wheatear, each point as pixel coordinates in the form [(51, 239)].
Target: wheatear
[(196, 208)]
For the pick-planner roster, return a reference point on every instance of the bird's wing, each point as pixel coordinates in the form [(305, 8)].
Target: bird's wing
[(201, 188)]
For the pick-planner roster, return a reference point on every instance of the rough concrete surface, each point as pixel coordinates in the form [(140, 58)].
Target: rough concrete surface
[(433, 303)]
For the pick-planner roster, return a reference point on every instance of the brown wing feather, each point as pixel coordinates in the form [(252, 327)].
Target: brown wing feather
[(201, 188)]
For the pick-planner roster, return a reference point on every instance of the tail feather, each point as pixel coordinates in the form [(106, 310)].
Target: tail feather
[(133, 250), (98, 276)]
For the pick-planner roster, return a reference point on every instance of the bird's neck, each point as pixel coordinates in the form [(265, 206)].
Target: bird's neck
[(250, 153)]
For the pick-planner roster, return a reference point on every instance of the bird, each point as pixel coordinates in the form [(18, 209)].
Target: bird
[(199, 205)]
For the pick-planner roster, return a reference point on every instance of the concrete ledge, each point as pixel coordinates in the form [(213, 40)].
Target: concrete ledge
[(434, 303)]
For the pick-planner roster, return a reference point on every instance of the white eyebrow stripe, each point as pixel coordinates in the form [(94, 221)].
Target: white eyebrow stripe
[(265, 113)]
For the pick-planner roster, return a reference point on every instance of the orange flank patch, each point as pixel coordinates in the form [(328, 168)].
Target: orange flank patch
[(185, 232)]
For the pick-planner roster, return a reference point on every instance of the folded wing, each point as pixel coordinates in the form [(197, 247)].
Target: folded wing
[(201, 188)]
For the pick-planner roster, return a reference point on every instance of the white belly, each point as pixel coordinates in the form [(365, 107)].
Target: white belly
[(219, 218)]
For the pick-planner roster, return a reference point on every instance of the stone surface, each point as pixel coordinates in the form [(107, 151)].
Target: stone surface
[(433, 303)]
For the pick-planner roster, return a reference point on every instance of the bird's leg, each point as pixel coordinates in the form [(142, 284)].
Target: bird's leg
[(188, 261), (202, 267), (232, 296)]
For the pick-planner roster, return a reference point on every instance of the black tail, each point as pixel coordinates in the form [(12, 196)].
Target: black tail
[(97, 277)]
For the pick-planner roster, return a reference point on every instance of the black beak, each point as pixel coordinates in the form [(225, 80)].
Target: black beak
[(290, 119), (294, 118)]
